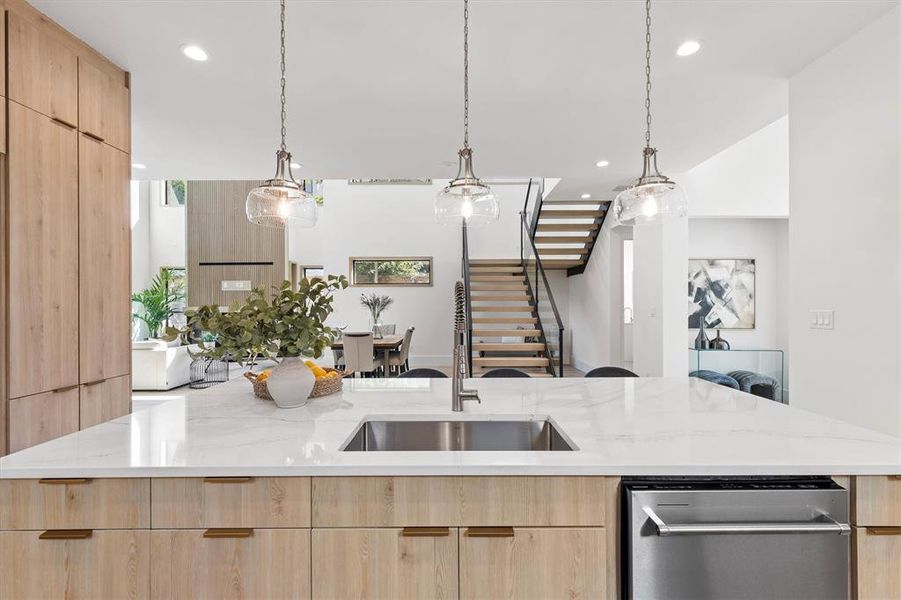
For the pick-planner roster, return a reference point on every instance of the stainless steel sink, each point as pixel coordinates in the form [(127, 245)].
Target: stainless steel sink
[(522, 435)]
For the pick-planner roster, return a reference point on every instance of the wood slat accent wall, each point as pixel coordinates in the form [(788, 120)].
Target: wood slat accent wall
[(218, 232)]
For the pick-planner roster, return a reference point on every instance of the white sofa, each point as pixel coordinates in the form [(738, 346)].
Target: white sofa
[(157, 366)]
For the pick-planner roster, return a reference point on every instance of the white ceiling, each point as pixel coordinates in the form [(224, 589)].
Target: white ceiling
[(375, 87)]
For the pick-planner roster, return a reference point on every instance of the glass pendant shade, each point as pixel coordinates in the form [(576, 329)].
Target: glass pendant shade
[(466, 198), (653, 198), (281, 199)]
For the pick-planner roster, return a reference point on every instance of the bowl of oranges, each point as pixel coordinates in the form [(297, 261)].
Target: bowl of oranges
[(328, 381)]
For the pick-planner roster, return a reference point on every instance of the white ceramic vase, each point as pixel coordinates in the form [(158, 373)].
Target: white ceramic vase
[(291, 383)]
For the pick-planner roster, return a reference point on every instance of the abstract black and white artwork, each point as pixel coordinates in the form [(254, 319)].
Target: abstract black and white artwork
[(721, 291)]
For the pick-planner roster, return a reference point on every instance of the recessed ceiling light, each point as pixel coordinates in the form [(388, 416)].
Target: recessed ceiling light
[(586, 196), (194, 52), (688, 48), (295, 165), (602, 163), (138, 166)]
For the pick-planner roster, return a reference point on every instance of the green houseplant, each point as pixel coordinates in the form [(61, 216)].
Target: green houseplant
[(290, 324), (158, 303)]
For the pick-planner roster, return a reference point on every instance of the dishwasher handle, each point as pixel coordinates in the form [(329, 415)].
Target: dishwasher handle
[(828, 525)]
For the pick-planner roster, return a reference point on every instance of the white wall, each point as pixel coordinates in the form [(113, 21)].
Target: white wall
[(845, 229), (158, 233), (766, 241), (748, 179), (383, 220), (140, 236)]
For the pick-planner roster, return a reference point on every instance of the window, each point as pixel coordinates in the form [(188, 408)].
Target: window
[(416, 270), (309, 272), (177, 284), (176, 192)]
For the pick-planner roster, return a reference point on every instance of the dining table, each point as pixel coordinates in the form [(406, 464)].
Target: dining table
[(386, 344)]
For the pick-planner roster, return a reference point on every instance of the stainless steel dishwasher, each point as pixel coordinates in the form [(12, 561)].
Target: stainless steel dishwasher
[(735, 538)]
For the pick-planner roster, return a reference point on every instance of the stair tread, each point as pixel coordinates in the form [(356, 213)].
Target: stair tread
[(562, 239), (565, 202), (495, 262), (500, 287), (560, 264), (562, 251), (506, 332), (586, 227), (497, 278), (570, 214), (511, 361), (522, 297), (504, 320), (513, 346), (517, 308)]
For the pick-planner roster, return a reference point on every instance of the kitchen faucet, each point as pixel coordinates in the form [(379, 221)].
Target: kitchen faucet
[(460, 364)]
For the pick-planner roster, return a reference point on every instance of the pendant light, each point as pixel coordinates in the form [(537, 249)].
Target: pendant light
[(653, 197), (281, 199), (466, 198)]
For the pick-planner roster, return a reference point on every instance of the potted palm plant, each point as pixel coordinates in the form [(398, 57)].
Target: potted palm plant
[(158, 303)]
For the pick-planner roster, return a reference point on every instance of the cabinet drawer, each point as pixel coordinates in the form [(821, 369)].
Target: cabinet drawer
[(74, 503), (42, 70), (539, 564), (105, 564), (198, 502), (877, 552), (458, 501), (42, 417), (877, 501), (258, 563), (385, 563)]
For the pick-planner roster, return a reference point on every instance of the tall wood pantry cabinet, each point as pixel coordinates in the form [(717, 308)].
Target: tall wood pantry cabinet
[(65, 143)]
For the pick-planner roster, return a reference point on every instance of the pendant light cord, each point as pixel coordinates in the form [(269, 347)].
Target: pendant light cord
[(466, 74), (282, 82), (647, 71)]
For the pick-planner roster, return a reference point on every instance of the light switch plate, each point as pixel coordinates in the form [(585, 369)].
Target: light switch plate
[(239, 285), (822, 319)]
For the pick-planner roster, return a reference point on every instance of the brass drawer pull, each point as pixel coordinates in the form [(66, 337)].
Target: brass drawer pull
[(66, 534), (65, 389), (65, 481), (884, 530), (93, 382), (228, 533), (62, 122), (490, 532), (425, 531), (227, 479), (896, 477)]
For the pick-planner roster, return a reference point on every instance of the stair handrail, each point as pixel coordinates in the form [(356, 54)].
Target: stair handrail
[(539, 268), (468, 296), (536, 211)]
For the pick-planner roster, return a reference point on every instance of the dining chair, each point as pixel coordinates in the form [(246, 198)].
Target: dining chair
[(423, 373), (506, 373), (610, 372), (401, 358), (358, 354)]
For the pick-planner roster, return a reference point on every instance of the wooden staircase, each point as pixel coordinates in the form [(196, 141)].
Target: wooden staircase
[(565, 232), (505, 326)]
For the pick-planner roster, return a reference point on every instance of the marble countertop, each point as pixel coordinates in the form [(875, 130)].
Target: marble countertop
[(646, 426)]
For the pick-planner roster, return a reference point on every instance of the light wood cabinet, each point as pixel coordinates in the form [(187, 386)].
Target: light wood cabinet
[(533, 563), (104, 254), (877, 554), (42, 70), (43, 255), (98, 564), (104, 105), (401, 564), (104, 400), (877, 500), (42, 417), (220, 564), (201, 502), (458, 501), (75, 503)]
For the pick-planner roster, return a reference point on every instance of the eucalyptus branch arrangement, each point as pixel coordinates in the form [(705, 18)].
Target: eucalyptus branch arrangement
[(377, 304), (292, 323)]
